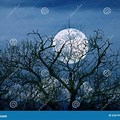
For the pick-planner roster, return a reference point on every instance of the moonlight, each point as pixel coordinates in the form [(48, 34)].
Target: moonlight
[(75, 45)]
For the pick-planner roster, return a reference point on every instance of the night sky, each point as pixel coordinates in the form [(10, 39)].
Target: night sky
[(61, 3), (18, 17)]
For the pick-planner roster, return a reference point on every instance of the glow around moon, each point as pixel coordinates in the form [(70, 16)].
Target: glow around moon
[(75, 45)]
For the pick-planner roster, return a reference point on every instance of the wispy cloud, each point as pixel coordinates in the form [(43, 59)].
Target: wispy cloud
[(24, 20)]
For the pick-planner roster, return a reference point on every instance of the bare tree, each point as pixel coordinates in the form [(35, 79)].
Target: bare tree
[(54, 81)]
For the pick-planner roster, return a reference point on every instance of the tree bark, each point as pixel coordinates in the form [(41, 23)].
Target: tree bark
[(72, 98)]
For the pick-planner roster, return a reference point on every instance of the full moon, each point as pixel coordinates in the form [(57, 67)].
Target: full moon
[(73, 45)]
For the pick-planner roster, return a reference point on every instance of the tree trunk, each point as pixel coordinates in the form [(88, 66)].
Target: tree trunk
[(72, 98)]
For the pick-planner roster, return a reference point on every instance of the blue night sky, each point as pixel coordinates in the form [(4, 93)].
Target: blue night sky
[(18, 17)]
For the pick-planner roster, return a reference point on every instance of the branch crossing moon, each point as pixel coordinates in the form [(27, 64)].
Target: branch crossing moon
[(75, 45)]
